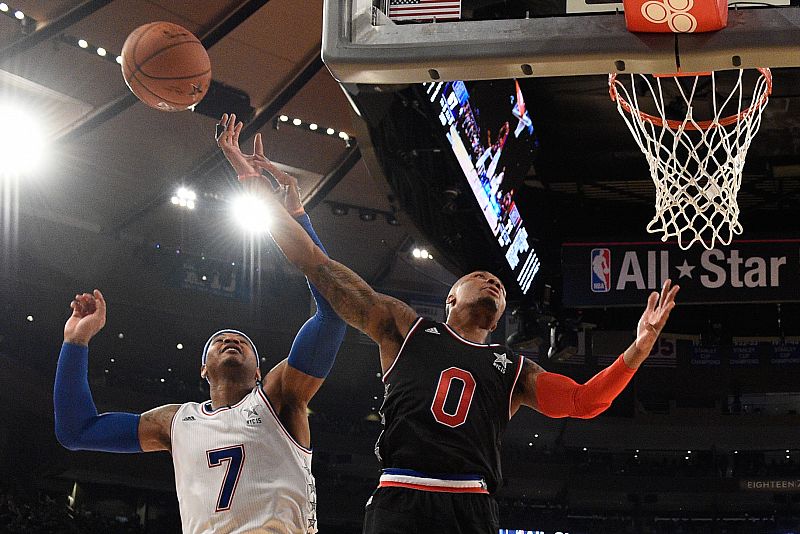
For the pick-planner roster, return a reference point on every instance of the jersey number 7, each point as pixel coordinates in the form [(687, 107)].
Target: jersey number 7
[(234, 456), (446, 379)]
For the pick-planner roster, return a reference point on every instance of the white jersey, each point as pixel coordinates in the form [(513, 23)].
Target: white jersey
[(238, 470)]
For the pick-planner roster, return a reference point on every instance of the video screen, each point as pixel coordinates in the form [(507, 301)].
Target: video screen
[(492, 136)]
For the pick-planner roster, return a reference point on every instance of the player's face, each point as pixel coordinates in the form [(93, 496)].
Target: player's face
[(231, 353), (483, 289)]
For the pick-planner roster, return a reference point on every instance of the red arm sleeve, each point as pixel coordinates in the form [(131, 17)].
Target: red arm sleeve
[(560, 396)]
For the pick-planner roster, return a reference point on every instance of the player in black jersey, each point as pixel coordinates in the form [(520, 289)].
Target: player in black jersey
[(449, 394)]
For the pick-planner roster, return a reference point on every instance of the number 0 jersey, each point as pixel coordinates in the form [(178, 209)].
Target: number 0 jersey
[(238, 470), (447, 403)]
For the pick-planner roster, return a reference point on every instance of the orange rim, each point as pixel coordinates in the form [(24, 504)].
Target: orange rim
[(702, 125)]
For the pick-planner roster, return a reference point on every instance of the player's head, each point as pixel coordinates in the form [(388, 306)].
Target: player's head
[(231, 355), (479, 295)]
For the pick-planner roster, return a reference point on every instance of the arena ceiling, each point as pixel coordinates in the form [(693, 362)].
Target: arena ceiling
[(114, 163)]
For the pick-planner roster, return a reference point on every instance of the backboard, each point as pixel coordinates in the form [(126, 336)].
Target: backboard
[(362, 45)]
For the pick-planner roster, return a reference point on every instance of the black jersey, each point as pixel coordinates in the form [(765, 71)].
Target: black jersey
[(447, 403)]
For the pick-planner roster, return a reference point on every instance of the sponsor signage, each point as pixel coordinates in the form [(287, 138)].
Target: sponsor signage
[(774, 485), (621, 274)]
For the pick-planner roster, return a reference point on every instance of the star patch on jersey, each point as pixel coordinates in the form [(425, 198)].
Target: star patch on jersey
[(501, 361)]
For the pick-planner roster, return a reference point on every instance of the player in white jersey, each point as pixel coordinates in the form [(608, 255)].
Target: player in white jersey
[(242, 459)]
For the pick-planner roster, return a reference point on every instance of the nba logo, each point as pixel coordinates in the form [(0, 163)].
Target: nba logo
[(601, 270)]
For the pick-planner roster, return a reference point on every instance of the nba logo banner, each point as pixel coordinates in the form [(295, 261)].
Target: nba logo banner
[(601, 270)]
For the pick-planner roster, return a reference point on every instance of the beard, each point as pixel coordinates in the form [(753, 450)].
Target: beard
[(486, 305)]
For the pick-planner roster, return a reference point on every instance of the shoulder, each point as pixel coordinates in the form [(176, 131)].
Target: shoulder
[(155, 427)]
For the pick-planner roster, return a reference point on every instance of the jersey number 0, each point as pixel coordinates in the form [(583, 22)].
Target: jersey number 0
[(446, 379)]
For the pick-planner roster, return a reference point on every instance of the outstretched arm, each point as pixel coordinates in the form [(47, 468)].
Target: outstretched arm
[(385, 319), (556, 395), (78, 426)]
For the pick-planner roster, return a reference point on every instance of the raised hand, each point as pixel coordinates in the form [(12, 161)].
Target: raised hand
[(228, 141), (87, 319), (655, 316)]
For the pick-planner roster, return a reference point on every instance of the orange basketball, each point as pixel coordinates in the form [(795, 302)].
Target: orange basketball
[(166, 66)]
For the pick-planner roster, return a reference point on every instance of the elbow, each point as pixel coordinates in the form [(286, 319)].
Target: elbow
[(68, 438), (590, 412)]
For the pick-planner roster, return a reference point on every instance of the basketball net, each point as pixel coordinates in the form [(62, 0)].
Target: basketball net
[(696, 165)]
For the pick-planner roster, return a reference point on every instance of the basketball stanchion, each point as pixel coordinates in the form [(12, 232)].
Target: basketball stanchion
[(695, 163)]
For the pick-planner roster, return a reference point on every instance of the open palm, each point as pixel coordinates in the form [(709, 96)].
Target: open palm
[(655, 315)]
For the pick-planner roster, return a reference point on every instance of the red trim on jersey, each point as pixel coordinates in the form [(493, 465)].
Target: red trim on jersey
[(414, 326), (220, 409), (172, 426), (275, 415), (467, 341), (514, 385), (434, 489)]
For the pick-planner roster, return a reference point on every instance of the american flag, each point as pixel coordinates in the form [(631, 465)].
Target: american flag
[(424, 9)]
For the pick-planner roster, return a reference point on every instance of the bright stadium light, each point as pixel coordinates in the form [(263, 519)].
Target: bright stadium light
[(21, 140), (251, 213), (184, 197)]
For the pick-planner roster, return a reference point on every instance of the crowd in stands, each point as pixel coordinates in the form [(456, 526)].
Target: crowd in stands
[(28, 511)]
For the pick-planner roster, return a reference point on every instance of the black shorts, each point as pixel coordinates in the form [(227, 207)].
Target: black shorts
[(410, 511)]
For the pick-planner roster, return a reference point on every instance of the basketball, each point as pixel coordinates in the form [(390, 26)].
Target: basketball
[(166, 66)]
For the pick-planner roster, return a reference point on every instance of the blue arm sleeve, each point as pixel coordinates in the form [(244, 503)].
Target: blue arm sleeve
[(316, 344), (78, 425)]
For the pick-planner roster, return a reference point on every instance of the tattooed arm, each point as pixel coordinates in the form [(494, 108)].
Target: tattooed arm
[(384, 319)]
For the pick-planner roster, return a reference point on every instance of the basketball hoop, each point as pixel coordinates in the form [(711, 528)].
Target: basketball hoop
[(696, 165)]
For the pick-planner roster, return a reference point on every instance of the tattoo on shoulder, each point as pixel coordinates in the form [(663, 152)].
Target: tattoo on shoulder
[(531, 367)]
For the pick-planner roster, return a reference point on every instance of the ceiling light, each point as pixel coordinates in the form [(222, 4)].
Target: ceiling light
[(330, 131), (190, 204), (204, 278), (162, 380), (284, 118), (175, 200), (3, 7), (251, 214), (119, 60), (424, 254), (179, 346), (21, 140), (101, 51), (297, 122), (83, 43), (416, 253), (392, 220), (120, 335), (339, 210), (343, 135), (19, 14), (366, 215), (112, 360), (29, 318), (312, 126), (536, 435)]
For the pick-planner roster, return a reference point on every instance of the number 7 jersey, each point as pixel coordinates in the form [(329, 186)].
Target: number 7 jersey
[(447, 402), (237, 470)]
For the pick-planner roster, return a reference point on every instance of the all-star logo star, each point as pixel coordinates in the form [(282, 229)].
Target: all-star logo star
[(685, 269), (250, 412), (500, 362)]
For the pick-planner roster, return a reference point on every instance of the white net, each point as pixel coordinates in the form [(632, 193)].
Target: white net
[(696, 165)]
